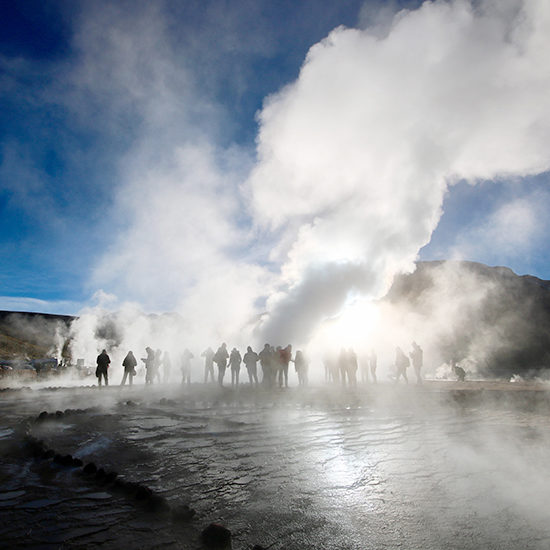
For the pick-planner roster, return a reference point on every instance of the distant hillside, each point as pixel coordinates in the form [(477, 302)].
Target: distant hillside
[(494, 320), (490, 315), (32, 335)]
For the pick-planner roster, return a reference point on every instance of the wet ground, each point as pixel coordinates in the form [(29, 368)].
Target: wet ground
[(431, 467)]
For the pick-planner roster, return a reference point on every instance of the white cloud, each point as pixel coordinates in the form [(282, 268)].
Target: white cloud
[(514, 230)]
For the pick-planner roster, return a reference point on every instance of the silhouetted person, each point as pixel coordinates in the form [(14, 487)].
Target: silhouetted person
[(301, 366), (250, 359), (167, 366), (220, 358), (373, 365), (331, 368), (129, 365), (401, 364), (343, 366), (235, 360), (417, 359), (284, 356), (364, 369), (351, 367), (265, 363), (208, 355), (103, 361), (185, 366), (459, 371), (149, 365), (157, 363)]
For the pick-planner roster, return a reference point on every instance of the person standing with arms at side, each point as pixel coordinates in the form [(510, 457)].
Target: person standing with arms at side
[(208, 355), (220, 358), (103, 361), (250, 359), (417, 359), (129, 365), (265, 363), (301, 365), (373, 364), (235, 360), (284, 356), (185, 365)]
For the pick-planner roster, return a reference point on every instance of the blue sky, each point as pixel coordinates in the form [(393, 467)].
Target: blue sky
[(102, 104)]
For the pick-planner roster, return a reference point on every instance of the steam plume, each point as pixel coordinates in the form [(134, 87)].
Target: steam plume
[(355, 157)]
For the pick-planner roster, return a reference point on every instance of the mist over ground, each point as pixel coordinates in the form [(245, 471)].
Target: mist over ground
[(492, 322)]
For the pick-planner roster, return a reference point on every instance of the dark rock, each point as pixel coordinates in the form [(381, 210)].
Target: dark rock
[(77, 462), (59, 414), (64, 460), (143, 493), (216, 536), (42, 416), (36, 448), (119, 485), (130, 488), (100, 474), (110, 477), (158, 504), (183, 513), (47, 454), (90, 468)]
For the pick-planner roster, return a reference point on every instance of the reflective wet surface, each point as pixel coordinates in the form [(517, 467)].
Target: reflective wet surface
[(376, 467)]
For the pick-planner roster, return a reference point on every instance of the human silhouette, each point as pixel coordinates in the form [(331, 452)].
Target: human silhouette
[(284, 356), (156, 365), (332, 370), (373, 365), (220, 358), (208, 355), (103, 361), (301, 366), (265, 362), (401, 364), (149, 365), (129, 365), (250, 359), (343, 366), (235, 360), (364, 369), (185, 366), (417, 359), (351, 367)]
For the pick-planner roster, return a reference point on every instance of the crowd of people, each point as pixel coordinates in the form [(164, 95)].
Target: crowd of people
[(268, 367)]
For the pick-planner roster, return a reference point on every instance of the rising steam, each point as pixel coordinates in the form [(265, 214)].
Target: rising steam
[(356, 155), (352, 164)]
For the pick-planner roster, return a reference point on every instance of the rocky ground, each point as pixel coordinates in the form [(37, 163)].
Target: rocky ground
[(444, 465)]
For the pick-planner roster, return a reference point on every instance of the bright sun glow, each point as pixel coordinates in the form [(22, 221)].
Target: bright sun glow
[(352, 327)]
